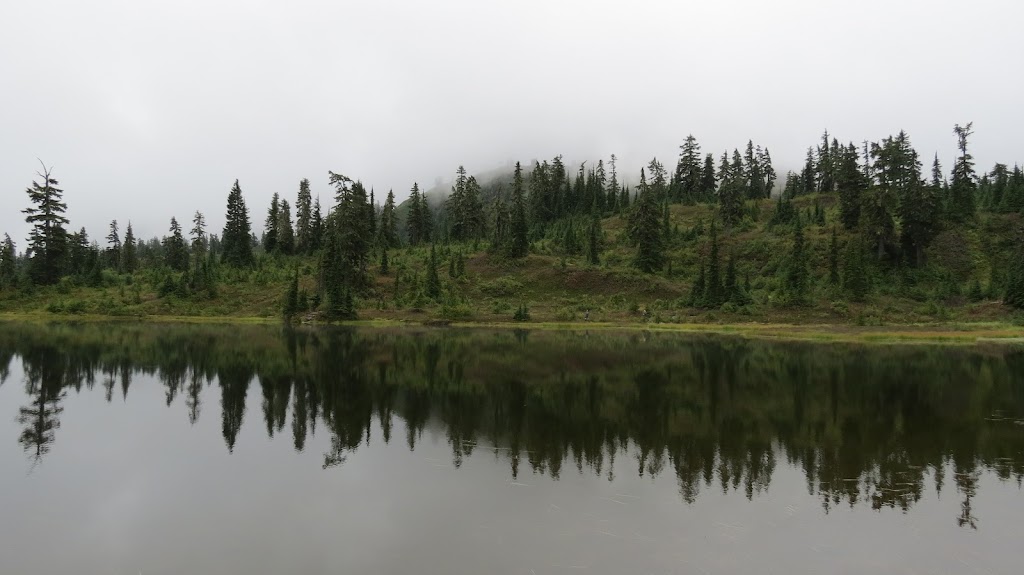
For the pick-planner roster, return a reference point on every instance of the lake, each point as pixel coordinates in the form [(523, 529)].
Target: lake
[(142, 448)]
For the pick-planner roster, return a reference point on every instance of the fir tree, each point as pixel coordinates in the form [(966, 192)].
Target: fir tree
[(8, 256), (235, 241), (708, 182), (850, 183), (303, 218), (384, 264), (270, 225), (519, 245), (963, 186), (646, 231), (388, 231), (113, 252), (285, 231), (129, 259), (48, 241), (316, 228), (415, 225), (175, 252)]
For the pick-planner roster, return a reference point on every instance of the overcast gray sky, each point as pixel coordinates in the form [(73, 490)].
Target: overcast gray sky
[(152, 109)]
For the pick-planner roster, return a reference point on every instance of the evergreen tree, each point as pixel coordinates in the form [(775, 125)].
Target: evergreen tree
[(594, 239), (646, 230), (688, 176), (833, 259), (291, 300), (499, 239), (519, 244), (708, 182), (433, 287), (855, 279), (8, 259), (175, 252), (235, 240), (198, 235), (1014, 295), (919, 209), (699, 288), (270, 225), (114, 247), (809, 174), (285, 231), (797, 281), (384, 264), (129, 259), (714, 294), (353, 234), (731, 287), (732, 190), (303, 218), (416, 224), (388, 232), (850, 184), (963, 186), (316, 227), (48, 240)]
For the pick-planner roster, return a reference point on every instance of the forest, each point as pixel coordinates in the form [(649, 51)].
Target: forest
[(862, 234)]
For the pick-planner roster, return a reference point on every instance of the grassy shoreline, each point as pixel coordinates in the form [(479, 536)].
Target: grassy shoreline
[(937, 333)]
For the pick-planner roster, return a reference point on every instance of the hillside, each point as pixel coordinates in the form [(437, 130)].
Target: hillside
[(559, 288)]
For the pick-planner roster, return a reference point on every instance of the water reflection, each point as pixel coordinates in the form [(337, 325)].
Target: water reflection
[(875, 426)]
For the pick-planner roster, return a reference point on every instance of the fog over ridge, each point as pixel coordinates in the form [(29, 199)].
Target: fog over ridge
[(153, 110)]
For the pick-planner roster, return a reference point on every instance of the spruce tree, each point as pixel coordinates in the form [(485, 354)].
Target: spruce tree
[(384, 264), (235, 240), (48, 240), (731, 288)]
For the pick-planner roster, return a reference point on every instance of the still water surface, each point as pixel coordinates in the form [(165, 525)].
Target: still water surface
[(204, 449)]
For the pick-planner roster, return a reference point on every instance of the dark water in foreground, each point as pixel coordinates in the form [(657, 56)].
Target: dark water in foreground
[(199, 449)]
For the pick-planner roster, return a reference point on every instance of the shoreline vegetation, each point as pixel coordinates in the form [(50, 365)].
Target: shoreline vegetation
[(951, 333), (859, 244)]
